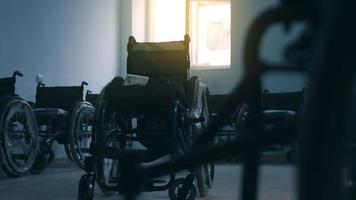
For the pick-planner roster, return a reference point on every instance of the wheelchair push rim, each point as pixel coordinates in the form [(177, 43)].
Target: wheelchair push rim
[(19, 136), (104, 134), (204, 181), (81, 124)]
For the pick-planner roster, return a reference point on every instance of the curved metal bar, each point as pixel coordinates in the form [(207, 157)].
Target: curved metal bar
[(17, 73)]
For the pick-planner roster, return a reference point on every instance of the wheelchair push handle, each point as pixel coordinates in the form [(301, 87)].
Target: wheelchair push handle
[(17, 73), (84, 83), (40, 84)]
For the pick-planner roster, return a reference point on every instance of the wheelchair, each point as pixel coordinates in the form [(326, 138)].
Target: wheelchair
[(280, 114), (149, 123), (18, 130), (64, 116)]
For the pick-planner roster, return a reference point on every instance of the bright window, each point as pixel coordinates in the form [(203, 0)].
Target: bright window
[(166, 20), (207, 22)]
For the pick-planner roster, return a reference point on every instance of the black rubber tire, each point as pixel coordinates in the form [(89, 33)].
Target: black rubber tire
[(202, 181), (241, 120), (68, 151), (50, 156), (212, 171), (210, 174), (82, 114), (86, 188), (176, 185), (21, 117), (40, 164), (105, 169)]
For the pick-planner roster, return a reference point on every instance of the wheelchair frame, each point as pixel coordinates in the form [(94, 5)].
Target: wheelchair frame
[(151, 112), (63, 116), (18, 130)]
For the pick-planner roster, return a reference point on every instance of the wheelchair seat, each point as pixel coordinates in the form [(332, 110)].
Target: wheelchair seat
[(43, 114), (152, 97), (47, 112), (277, 116), (281, 107), (280, 114)]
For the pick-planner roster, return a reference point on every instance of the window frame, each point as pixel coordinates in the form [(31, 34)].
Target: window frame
[(188, 30)]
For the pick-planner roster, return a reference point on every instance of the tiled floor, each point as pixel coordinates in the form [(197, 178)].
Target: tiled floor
[(60, 181)]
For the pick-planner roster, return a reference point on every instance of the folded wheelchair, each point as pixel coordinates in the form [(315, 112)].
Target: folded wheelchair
[(64, 116), (18, 130), (149, 123)]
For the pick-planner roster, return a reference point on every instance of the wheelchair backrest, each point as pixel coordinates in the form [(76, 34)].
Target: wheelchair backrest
[(91, 97), (58, 97), (7, 85), (283, 101), (158, 59)]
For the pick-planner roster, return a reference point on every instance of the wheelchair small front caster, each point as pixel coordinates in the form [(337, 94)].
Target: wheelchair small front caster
[(86, 187), (176, 190)]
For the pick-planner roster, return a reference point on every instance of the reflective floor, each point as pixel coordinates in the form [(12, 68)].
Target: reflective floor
[(60, 180)]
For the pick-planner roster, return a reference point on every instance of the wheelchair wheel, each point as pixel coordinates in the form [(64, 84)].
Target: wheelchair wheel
[(68, 151), (18, 136), (41, 163), (86, 187), (50, 156), (175, 188), (105, 133), (241, 119), (209, 168), (204, 181), (80, 132), (108, 176), (210, 174)]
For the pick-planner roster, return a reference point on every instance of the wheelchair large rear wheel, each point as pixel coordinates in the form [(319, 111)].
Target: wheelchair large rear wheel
[(106, 135), (86, 187), (206, 171), (81, 123), (176, 187), (68, 151), (18, 136), (199, 109)]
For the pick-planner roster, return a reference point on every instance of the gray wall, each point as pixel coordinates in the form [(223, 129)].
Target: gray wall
[(66, 41)]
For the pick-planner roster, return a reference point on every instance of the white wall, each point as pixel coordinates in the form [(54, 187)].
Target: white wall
[(222, 81), (66, 41)]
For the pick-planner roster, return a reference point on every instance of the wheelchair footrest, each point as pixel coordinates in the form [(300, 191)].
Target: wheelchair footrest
[(150, 184), (117, 154)]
